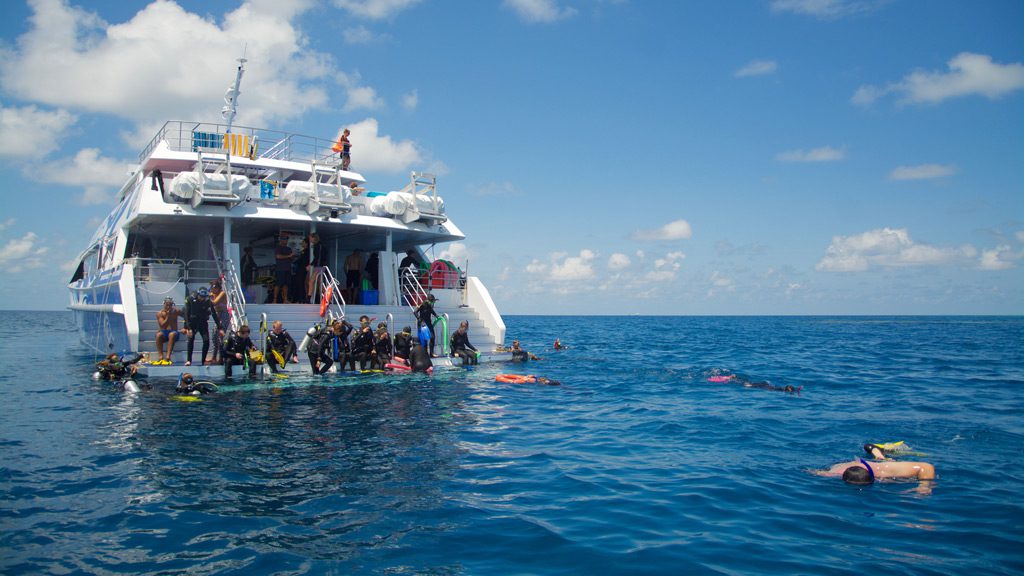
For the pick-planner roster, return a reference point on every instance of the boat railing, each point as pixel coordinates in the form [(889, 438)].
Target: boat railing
[(327, 285), (424, 184), (412, 291), (182, 136), (232, 287)]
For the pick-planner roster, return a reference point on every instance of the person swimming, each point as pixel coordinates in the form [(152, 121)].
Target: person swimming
[(188, 386), (720, 378)]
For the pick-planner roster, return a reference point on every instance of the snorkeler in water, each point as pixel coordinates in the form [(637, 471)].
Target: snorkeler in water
[(732, 378), (862, 472)]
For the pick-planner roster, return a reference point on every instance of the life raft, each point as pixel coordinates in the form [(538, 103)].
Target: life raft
[(515, 379)]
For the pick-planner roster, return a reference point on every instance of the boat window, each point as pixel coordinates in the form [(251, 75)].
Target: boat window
[(79, 272)]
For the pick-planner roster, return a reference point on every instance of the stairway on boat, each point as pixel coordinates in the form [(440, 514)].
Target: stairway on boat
[(297, 318)]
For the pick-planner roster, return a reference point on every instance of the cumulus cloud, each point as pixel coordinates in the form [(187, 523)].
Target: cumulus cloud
[(886, 247), (618, 262), (561, 267), (20, 254), (504, 188), (100, 176), (372, 151), (922, 172), (968, 74), (1002, 257), (825, 9), (375, 9), (720, 283), (757, 68), (665, 268), (823, 154), (28, 132), (675, 230), (359, 35), (540, 11), (7, 224), (456, 252)]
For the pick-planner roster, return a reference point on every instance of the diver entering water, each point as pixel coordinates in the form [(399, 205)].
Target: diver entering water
[(419, 360), (280, 347), (403, 344), (461, 347), (425, 315), (237, 350), (333, 347), (198, 310), (187, 386), (382, 348), (119, 369), (362, 346)]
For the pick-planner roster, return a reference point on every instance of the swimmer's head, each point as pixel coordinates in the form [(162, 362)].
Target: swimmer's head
[(858, 475)]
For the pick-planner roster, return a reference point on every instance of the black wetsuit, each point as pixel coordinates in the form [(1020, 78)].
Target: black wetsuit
[(236, 344), (197, 319), (284, 344), (403, 345), (118, 369), (462, 348), (520, 355), (362, 348), (193, 388), (333, 348), (419, 359), (425, 314), (384, 350)]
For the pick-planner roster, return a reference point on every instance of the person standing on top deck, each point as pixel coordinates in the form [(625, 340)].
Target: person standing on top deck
[(346, 149), (425, 315)]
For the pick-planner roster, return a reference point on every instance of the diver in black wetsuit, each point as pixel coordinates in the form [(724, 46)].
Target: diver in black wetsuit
[(187, 386), (280, 341), (382, 348), (236, 351), (419, 359), (198, 310), (403, 344), (362, 346), (520, 355), (461, 347), (425, 315), (333, 346), (115, 367)]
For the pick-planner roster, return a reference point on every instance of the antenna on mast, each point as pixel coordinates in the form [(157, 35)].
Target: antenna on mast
[(231, 96)]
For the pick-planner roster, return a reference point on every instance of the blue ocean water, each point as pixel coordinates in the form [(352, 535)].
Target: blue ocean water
[(636, 464)]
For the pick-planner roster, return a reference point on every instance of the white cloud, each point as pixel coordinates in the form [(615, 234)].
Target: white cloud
[(968, 74), (886, 247), (562, 268), (675, 230), (823, 154), (372, 151), (22, 254), (7, 224), (618, 262), (456, 252), (166, 62), (1020, 235), (411, 100), (821, 8), (922, 172), (362, 98), (757, 68), (720, 283), (359, 35), (29, 132), (375, 9), (504, 188), (100, 176), (1001, 257), (541, 11)]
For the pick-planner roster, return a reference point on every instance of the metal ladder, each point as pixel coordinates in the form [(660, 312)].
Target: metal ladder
[(326, 283), (232, 287)]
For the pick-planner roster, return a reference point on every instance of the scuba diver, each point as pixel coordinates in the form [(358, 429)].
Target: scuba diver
[(520, 355), (332, 346), (187, 386), (419, 360), (237, 350), (118, 369), (280, 347), (461, 347), (362, 346), (382, 347), (425, 315), (403, 344), (198, 310)]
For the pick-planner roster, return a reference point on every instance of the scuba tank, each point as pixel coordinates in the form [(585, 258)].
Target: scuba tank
[(130, 386), (424, 335)]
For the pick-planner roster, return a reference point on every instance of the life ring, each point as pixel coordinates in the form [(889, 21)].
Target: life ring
[(326, 300), (515, 379)]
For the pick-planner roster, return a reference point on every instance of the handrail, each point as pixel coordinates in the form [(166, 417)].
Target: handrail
[(325, 280), (183, 136), (446, 343), (412, 289), (232, 287)]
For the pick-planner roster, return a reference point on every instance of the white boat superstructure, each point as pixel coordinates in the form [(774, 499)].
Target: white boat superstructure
[(203, 193)]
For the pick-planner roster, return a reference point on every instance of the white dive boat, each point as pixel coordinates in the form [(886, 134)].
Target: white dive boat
[(203, 192)]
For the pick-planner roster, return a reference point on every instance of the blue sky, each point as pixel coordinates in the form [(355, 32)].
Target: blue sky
[(609, 157)]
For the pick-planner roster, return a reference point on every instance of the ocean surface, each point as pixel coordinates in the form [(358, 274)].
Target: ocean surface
[(635, 464)]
